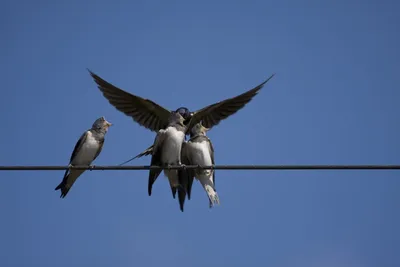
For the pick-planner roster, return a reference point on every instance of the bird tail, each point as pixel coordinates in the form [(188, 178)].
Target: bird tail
[(212, 195), (210, 190), (173, 181), (181, 197), (177, 186), (68, 181), (64, 187)]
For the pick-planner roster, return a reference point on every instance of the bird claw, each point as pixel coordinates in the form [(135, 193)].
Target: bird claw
[(183, 166), (91, 167)]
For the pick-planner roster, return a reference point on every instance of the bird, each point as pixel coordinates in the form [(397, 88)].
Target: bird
[(86, 150), (167, 152), (198, 150), (155, 117)]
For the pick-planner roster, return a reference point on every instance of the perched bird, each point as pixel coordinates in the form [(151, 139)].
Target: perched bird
[(154, 117), (198, 150), (85, 152), (167, 152)]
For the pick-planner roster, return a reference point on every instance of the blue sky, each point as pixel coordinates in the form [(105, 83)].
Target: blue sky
[(334, 100)]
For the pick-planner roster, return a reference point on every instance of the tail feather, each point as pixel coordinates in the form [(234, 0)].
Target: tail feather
[(181, 197), (68, 181), (173, 189), (173, 180), (212, 195), (64, 187), (208, 185)]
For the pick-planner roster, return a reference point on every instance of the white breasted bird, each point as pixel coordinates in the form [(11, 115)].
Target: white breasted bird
[(85, 152), (167, 152), (198, 150)]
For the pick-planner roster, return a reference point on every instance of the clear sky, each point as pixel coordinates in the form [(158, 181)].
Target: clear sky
[(334, 100)]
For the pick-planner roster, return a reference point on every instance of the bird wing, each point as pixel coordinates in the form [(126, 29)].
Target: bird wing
[(77, 148), (70, 177), (211, 149), (213, 114), (143, 111), (146, 152), (78, 145), (156, 158), (186, 175)]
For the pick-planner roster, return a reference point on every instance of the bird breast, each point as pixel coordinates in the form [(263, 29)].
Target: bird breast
[(87, 152), (199, 153), (171, 151)]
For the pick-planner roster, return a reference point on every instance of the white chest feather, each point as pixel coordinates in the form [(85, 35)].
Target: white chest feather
[(87, 152), (200, 153), (172, 145)]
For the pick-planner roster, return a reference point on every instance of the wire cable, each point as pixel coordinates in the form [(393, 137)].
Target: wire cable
[(215, 167)]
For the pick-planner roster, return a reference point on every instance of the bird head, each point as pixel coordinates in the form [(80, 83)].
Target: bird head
[(185, 113), (198, 129), (101, 123)]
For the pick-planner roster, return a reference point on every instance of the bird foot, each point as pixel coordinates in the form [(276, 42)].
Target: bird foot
[(91, 167)]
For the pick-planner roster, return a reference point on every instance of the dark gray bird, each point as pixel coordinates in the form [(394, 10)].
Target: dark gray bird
[(198, 150), (85, 152), (167, 152), (154, 117)]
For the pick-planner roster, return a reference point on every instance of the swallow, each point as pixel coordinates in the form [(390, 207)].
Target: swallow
[(166, 151), (155, 117), (86, 150), (198, 150)]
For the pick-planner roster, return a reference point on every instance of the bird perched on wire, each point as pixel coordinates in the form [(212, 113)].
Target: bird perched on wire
[(155, 117), (166, 152), (86, 150), (198, 150)]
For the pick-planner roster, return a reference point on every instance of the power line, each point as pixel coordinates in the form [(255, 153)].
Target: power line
[(215, 167)]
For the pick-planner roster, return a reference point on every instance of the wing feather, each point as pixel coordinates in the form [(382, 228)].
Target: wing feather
[(143, 111), (213, 114), (156, 159)]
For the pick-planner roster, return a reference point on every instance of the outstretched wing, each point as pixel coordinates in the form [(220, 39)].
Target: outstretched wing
[(143, 111), (213, 114)]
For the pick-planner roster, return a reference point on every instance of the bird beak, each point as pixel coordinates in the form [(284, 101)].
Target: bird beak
[(109, 124), (205, 129)]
